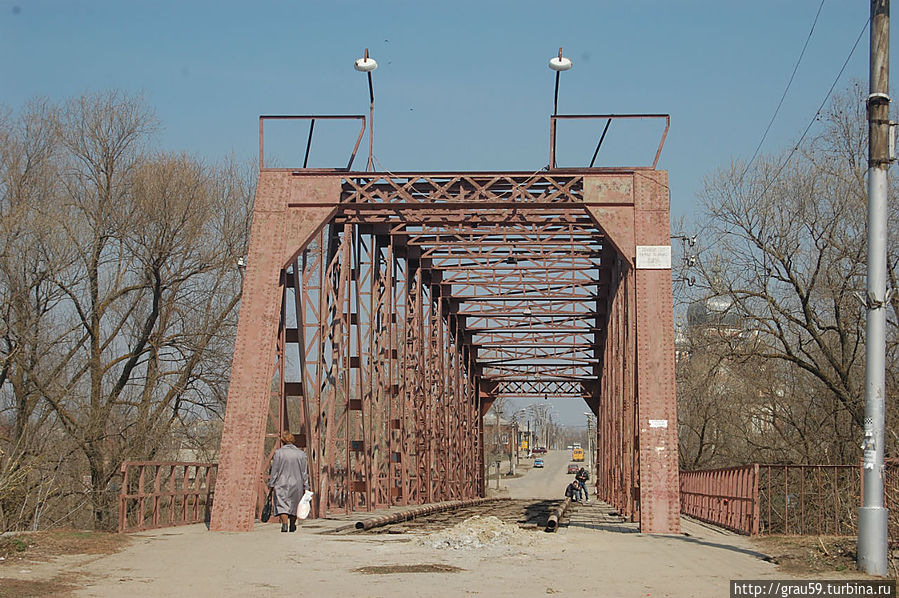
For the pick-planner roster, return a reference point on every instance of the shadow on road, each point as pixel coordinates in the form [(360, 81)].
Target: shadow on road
[(701, 542)]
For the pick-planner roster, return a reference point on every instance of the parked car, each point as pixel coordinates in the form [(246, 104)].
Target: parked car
[(573, 467), (538, 462), (540, 450)]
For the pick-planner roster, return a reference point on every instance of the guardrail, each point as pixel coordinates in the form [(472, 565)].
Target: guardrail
[(809, 499), (784, 499), (311, 118), (553, 125), (725, 497), (159, 494)]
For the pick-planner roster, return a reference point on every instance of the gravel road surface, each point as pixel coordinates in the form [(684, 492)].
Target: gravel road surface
[(595, 555)]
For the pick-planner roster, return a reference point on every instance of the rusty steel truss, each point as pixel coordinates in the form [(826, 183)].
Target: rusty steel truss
[(383, 313)]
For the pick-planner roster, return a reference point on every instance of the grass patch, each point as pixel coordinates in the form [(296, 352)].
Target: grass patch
[(43, 545), (21, 588), (10, 545), (812, 554)]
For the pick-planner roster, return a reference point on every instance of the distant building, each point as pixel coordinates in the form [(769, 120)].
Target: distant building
[(712, 318), (500, 438), (715, 314)]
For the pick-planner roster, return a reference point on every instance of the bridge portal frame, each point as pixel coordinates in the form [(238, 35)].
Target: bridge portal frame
[(402, 432)]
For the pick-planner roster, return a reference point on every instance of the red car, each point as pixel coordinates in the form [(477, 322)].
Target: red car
[(540, 450), (573, 467)]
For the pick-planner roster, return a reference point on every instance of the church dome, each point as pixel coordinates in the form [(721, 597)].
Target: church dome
[(716, 311)]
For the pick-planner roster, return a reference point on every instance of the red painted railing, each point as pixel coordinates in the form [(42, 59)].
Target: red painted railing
[(809, 499), (891, 497), (164, 494), (725, 497), (784, 499)]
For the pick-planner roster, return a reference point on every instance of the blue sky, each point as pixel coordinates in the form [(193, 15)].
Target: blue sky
[(461, 85)]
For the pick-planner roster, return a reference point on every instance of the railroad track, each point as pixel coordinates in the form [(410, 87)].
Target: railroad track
[(527, 514)]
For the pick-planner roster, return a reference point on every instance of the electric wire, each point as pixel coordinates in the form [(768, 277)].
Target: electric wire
[(817, 112), (787, 89)]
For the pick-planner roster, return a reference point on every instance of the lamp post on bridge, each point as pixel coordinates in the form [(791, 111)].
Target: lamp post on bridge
[(367, 65), (558, 64)]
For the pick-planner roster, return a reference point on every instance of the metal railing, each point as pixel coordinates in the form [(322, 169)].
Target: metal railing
[(809, 499), (724, 497), (164, 494), (553, 125), (784, 499), (311, 118)]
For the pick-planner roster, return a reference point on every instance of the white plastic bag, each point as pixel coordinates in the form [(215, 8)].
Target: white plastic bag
[(305, 505)]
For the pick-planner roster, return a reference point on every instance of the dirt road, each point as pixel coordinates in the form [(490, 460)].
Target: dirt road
[(548, 482), (590, 557)]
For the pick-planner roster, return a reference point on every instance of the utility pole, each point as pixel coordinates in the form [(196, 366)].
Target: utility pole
[(591, 436), (496, 443), (549, 423), (515, 446), (872, 516)]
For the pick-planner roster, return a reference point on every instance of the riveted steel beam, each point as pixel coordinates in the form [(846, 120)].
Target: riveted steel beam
[(385, 312)]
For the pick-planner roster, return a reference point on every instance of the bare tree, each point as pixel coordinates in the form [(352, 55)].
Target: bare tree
[(29, 176), (784, 242), (138, 255)]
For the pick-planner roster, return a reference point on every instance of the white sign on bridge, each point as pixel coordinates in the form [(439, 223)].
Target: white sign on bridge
[(653, 257)]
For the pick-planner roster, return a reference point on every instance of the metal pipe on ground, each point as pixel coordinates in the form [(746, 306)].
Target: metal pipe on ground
[(367, 524), (552, 524)]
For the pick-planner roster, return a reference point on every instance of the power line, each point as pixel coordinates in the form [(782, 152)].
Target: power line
[(818, 111), (783, 97)]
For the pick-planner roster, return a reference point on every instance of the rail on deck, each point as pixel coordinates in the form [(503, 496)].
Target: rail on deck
[(784, 499), (159, 494)]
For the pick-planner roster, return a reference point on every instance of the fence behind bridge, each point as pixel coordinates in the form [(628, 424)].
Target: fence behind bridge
[(784, 499), (165, 493)]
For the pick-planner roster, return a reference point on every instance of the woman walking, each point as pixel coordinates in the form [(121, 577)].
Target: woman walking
[(289, 480)]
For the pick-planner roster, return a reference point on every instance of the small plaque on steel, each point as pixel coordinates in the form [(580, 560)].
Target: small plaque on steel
[(653, 257)]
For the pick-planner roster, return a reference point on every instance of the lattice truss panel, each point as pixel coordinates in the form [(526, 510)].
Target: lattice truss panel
[(372, 370), (394, 319), (414, 301)]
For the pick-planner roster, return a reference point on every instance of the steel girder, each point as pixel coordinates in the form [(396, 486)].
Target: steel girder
[(384, 313)]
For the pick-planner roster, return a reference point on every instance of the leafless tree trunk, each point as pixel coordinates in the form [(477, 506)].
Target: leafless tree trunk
[(132, 295), (784, 249)]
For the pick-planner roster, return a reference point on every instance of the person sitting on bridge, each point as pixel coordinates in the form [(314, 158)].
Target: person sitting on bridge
[(581, 478), (572, 490), (289, 479)]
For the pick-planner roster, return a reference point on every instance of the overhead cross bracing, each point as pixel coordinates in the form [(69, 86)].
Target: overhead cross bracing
[(535, 274), (538, 264), (383, 313)]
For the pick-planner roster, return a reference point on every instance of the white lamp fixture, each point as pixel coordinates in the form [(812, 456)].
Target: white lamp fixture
[(558, 64), (367, 65)]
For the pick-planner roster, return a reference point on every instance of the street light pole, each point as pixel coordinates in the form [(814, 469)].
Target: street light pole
[(367, 65), (516, 448), (496, 443), (872, 516), (591, 436), (558, 64)]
